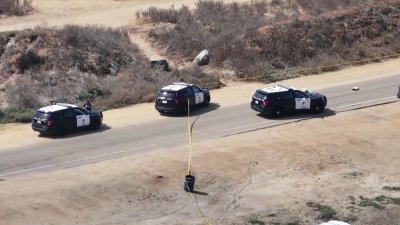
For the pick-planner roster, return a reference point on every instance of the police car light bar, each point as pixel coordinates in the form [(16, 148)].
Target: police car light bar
[(285, 86)]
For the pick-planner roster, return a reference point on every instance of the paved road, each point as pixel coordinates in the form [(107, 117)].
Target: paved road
[(212, 122)]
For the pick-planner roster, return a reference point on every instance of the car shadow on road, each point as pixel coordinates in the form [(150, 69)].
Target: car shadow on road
[(196, 111), (302, 115), (102, 128)]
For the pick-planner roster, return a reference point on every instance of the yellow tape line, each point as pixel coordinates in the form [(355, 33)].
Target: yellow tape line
[(190, 129), (190, 139)]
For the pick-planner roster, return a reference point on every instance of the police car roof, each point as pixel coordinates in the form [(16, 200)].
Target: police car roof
[(279, 88), (176, 86), (56, 107)]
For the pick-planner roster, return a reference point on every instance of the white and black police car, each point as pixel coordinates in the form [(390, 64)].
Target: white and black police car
[(279, 100), (175, 97), (60, 118)]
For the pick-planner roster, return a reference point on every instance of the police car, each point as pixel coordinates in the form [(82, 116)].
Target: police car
[(175, 97), (279, 100), (59, 118)]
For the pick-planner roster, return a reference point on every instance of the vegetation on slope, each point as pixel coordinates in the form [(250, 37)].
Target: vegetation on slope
[(247, 39), (74, 63), (15, 7)]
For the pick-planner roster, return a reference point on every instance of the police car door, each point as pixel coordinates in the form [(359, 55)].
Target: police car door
[(199, 95), (82, 118), (302, 101)]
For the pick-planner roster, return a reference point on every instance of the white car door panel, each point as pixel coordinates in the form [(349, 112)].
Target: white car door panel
[(82, 119), (302, 100), (199, 97)]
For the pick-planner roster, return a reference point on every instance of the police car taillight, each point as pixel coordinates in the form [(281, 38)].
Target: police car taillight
[(50, 123), (266, 102)]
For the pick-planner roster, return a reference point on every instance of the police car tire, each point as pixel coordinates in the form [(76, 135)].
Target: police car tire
[(62, 132), (278, 112), (206, 102), (160, 111), (184, 109), (95, 125), (317, 108)]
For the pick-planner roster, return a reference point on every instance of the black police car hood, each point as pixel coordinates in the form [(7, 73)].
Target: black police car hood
[(94, 112), (315, 95)]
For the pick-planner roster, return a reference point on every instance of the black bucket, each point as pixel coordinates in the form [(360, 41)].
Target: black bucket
[(188, 186)]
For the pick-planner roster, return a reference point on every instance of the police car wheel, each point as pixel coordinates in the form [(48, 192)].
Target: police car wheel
[(317, 108), (95, 125), (62, 132), (160, 111), (206, 102), (278, 112)]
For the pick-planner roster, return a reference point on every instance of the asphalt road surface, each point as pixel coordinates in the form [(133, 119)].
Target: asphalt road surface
[(211, 122)]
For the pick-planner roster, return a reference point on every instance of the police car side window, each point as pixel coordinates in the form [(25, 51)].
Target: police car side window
[(196, 89), (286, 95), (79, 112), (181, 94), (189, 92), (68, 113), (298, 94)]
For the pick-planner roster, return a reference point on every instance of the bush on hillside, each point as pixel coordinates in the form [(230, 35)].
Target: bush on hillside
[(21, 115), (317, 7), (15, 7), (243, 38)]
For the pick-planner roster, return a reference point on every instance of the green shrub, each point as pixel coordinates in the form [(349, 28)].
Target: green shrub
[(92, 94), (276, 2), (256, 222), (28, 60), (326, 212), (13, 114)]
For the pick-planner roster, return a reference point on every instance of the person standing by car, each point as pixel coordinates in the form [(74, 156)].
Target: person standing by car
[(87, 105)]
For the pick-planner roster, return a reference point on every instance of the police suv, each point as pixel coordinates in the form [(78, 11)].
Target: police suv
[(59, 118), (280, 100), (175, 97)]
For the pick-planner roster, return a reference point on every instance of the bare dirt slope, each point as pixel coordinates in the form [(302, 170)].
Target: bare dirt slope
[(112, 13), (269, 175)]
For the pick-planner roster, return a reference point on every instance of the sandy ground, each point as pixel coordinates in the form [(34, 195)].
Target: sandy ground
[(113, 13), (268, 175)]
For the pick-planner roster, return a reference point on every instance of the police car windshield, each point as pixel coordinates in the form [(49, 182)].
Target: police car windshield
[(260, 94), (40, 114), (166, 94)]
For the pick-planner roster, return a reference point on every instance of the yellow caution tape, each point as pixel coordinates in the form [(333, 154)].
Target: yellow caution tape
[(190, 138), (190, 129)]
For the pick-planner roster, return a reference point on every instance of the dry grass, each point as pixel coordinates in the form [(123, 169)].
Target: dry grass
[(243, 37), (15, 7)]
